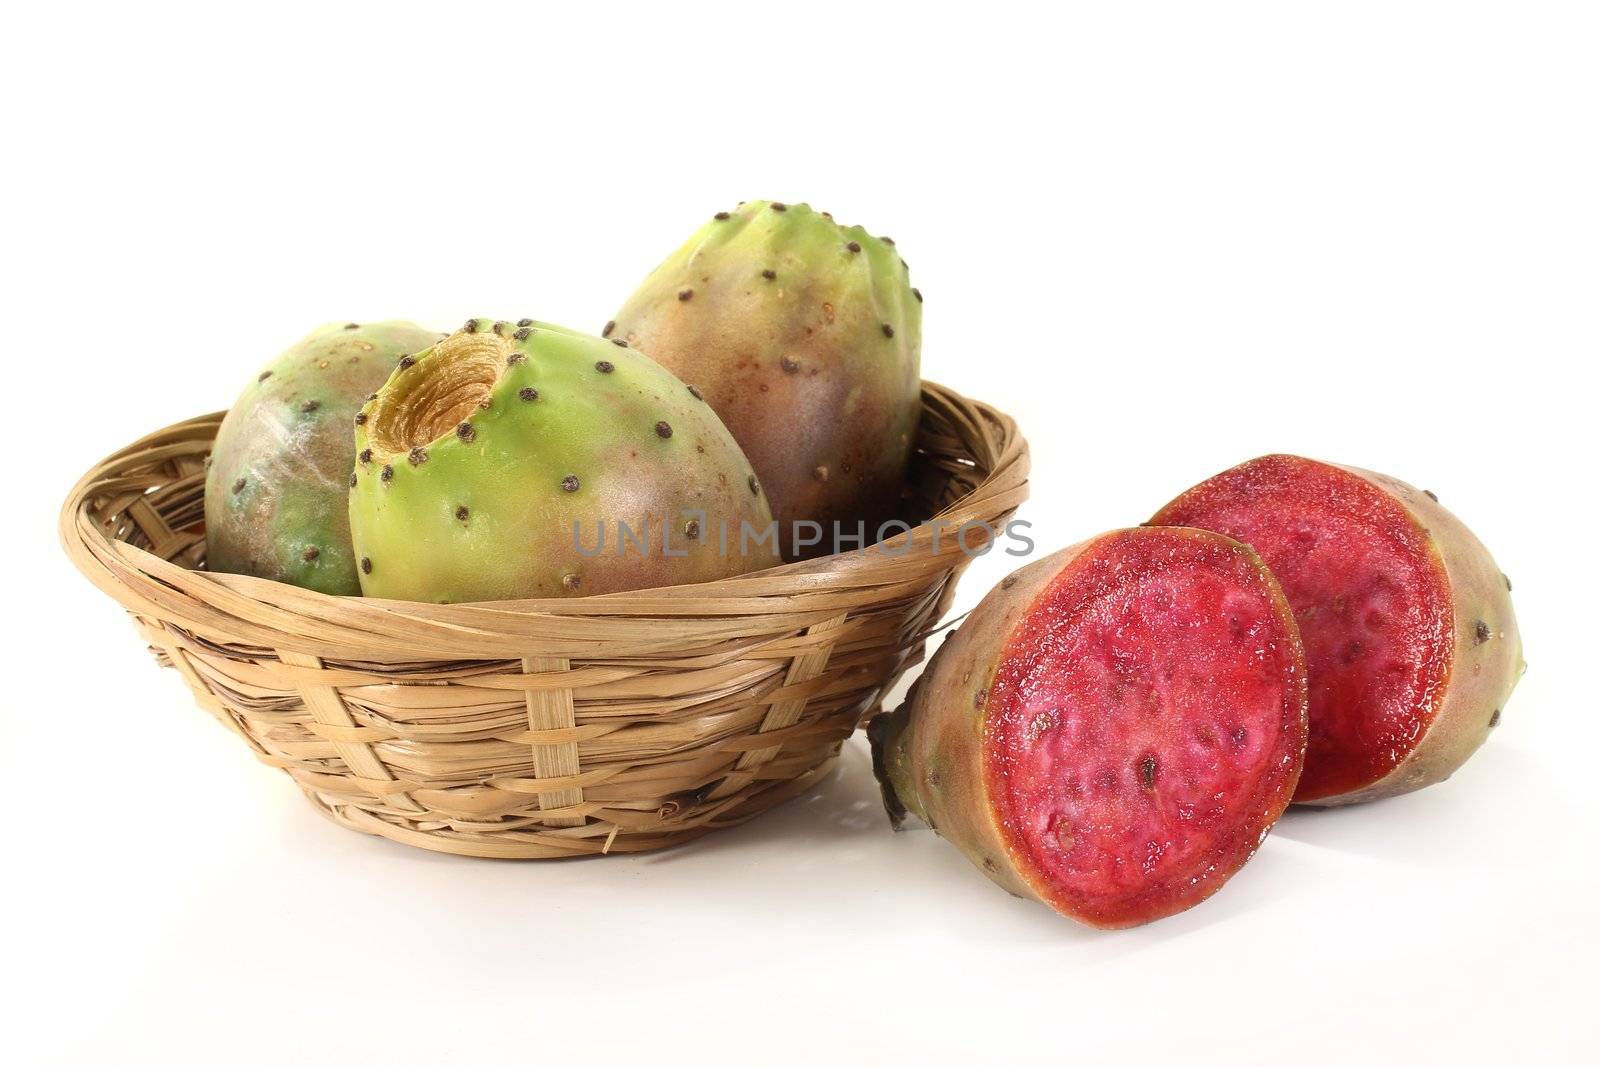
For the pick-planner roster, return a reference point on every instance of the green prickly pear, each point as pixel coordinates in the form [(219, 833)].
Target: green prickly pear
[(805, 336), (280, 468), (528, 460)]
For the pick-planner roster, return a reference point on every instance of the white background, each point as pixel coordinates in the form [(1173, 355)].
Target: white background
[(1166, 237)]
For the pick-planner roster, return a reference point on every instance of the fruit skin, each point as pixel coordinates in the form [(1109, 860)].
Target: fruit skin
[(816, 369), (278, 475), (929, 755), (1484, 664), (476, 459)]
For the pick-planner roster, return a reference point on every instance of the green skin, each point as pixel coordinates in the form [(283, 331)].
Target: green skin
[(279, 474), (487, 513), (816, 369)]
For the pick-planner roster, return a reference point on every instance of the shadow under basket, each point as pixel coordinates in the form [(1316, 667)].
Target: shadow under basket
[(545, 728)]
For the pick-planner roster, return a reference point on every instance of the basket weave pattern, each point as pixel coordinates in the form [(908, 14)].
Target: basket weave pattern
[(543, 728)]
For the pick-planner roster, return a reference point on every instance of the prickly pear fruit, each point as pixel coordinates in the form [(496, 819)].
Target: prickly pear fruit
[(1113, 730), (521, 459), (1410, 639), (280, 467), (805, 336)]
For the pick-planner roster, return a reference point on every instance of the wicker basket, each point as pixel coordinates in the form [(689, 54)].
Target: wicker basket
[(543, 728)]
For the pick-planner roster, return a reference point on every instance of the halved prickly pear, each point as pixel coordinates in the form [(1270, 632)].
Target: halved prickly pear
[(1113, 730), (1411, 643), (516, 460)]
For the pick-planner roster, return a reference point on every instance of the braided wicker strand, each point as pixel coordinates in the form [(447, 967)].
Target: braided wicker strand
[(544, 728)]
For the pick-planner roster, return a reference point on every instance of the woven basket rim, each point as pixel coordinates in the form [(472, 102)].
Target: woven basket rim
[(251, 610), (544, 729)]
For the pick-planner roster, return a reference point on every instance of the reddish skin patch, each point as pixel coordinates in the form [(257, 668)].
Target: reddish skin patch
[(1145, 727), (1371, 596), (851, 400)]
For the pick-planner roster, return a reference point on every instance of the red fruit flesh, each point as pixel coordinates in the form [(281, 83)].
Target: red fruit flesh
[(1371, 596), (1146, 725)]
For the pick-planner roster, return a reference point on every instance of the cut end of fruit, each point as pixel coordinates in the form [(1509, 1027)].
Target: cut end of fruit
[(1146, 724), (431, 398), (1369, 592)]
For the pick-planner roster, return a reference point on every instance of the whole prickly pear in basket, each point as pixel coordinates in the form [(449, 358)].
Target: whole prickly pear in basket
[(1113, 730), (279, 471), (1410, 638), (805, 336), (515, 460)]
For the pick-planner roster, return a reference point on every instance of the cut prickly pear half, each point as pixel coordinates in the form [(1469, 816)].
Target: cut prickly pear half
[(1411, 644), (519, 460), (1113, 730)]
